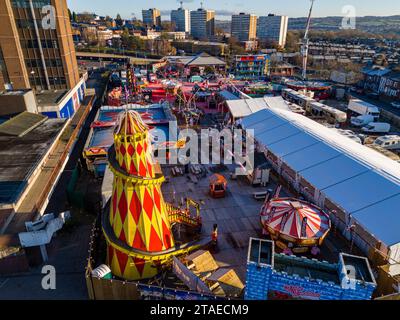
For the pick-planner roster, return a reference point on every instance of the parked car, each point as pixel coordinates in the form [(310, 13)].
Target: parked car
[(395, 105), (361, 121), (376, 127)]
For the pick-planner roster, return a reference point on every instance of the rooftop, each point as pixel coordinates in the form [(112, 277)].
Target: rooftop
[(14, 92), (389, 138), (50, 97), (20, 156), (306, 268), (365, 183), (21, 124)]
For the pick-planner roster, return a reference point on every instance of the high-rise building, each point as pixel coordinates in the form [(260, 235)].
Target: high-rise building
[(181, 19), (244, 26), (273, 28), (151, 17), (202, 23), (36, 45)]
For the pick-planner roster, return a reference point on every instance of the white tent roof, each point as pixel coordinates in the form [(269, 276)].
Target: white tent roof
[(361, 180), (243, 108)]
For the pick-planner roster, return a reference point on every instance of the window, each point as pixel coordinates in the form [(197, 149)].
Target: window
[(37, 63), (25, 3), (46, 44)]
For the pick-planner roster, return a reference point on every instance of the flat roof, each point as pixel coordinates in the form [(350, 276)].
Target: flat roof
[(306, 268), (244, 107), (19, 157), (15, 92), (21, 124), (50, 97), (365, 183)]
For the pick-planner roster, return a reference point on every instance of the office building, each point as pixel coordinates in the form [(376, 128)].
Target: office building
[(244, 26), (151, 17), (273, 28), (202, 23), (36, 53), (181, 19)]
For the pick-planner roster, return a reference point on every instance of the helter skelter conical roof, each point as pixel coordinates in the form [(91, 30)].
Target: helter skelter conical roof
[(130, 123), (133, 145)]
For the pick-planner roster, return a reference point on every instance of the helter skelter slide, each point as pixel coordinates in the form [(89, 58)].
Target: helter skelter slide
[(137, 222)]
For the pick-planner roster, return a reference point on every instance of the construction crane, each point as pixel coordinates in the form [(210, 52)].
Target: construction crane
[(305, 43)]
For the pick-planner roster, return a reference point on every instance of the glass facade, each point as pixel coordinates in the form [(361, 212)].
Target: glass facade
[(40, 45)]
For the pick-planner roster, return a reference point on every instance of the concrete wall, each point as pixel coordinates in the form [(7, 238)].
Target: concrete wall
[(16, 103)]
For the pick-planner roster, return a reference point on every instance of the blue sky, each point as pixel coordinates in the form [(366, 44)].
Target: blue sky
[(224, 8)]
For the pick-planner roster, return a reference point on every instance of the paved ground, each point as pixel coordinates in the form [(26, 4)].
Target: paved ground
[(69, 260), (237, 215)]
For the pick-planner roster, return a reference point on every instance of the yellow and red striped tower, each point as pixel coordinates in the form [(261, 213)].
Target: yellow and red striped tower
[(136, 227)]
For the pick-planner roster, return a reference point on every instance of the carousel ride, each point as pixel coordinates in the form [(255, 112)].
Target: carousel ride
[(295, 225), (137, 222)]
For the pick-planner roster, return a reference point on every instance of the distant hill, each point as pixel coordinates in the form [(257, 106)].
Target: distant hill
[(372, 24), (223, 25)]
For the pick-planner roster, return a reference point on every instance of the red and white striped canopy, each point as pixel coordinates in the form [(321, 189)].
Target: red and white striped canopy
[(297, 219)]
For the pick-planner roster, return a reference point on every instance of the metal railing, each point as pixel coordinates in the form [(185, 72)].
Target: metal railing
[(176, 215), (56, 170)]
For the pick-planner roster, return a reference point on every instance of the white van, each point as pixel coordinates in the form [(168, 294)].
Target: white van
[(360, 108), (376, 127), (389, 142), (361, 121)]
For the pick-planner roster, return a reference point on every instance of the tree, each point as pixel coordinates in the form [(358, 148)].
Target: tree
[(85, 17), (69, 15), (269, 44), (160, 47), (209, 70), (219, 31), (74, 17), (167, 26), (235, 47), (293, 41), (118, 20)]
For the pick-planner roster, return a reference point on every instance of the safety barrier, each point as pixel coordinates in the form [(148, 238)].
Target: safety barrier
[(56, 170), (182, 216)]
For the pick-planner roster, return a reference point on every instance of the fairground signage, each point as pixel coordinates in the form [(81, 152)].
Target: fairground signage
[(300, 292)]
